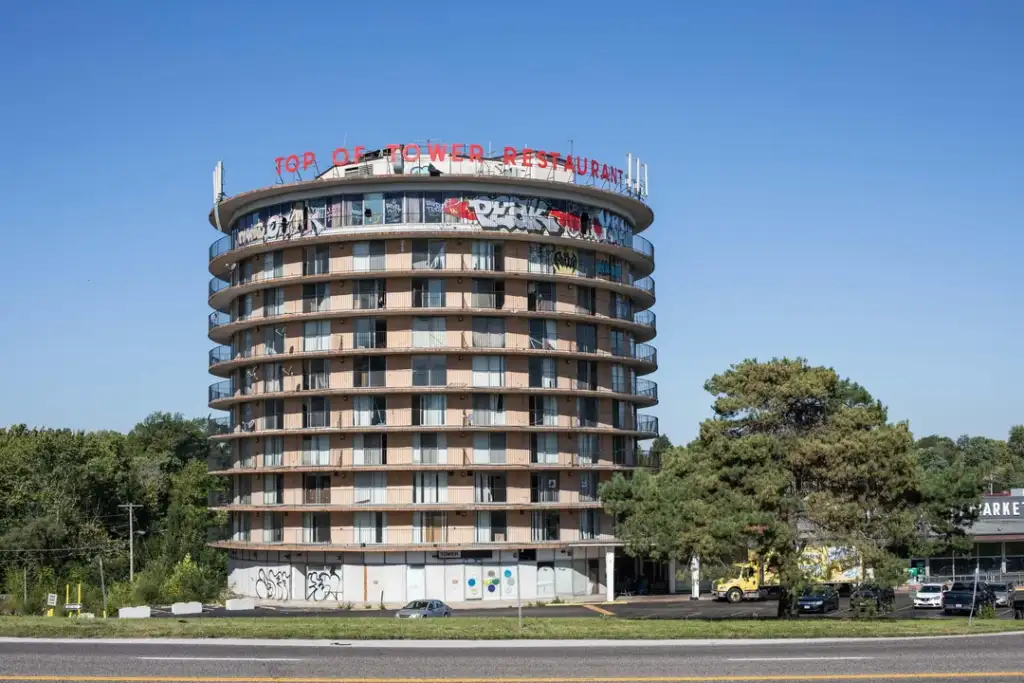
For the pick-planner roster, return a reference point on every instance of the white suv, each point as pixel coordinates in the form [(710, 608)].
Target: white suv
[(929, 596)]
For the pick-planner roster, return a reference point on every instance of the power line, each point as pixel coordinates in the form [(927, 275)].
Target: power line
[(56, 550)]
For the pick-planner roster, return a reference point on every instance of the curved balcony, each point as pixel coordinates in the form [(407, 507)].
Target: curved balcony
[(645, 353), (646, 388), (221, 390), (218, 319), (647, 424), (641, 290), (221, 246), (643, 246), (220, 354), (646, 318)]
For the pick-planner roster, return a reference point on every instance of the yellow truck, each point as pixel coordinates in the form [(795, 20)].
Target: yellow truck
[(753, 580)]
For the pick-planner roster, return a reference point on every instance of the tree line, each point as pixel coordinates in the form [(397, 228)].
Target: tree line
[(793, 456), (61, 514)]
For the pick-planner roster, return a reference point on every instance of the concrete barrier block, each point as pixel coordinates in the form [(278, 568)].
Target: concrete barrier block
[(143, 612), (187, 608), (240, 604)]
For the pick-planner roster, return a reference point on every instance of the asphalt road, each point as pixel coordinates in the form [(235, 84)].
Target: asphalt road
[(674, 609), (996, 658)]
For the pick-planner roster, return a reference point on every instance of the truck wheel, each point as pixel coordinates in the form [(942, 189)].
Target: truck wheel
[(734, 595)]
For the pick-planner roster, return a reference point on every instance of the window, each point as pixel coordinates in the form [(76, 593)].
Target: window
[(588, 487), (243, 490), (488, 410), (429, 410), (241, 526), (273, 488), (369, 411), (273, 303), (586, 375), (316, 412), (371, 527), (587, 449), (590, 524), (273, 378), (247, 379), (244, 307), (488, 371), (620, 383), (370, 449), (488, 256), (273, 527), (430, 487), (433, 207), (489, 333), (316, 527), (620, 306), (428, 254), (368, 371), (586, 300), (353, 209), (246, 421), (622, 343), (491, 527), (543, 334), (586, 267), (428, 333), (316, 489), (429, 527), (545, 526), (491, 488), (540, 259), (540, 296), (544, 487), (244, 272), (316, 450), (542, 373), (369, 294), (622, 451), (273, 451), (393, 204), (429, 371), (488, 293), (371, 333), (586, 412), (273, 414), (245, 453), (586, 338), (369, 256), (316, 374), (544, 449), (428, 293), (247, 349), (316, 298), (317, 260), (619, 413), (373, 208), (543, 410), (371, 488), (273, 265), (276, 338), (489, 449), (316, 335), (429, 448)]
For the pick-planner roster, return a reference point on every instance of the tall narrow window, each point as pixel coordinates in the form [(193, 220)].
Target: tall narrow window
[(273, 265), (273, 451), (430, 487), (488, 293), (587, 449), (544, 449), (273, 527), (370, 449), (586, 300), (317, 260), (428, 293), (316, 335), (273, 379), (316, 374), (369, 294), (316, 450), (489, 333), (540, 296), (369, 256), (429, 448), (273, 302), (543, 410), (316, 527), (542, 373), (369, 411), (371, 488), (429, 371), (316, 298), (543, 334), (428, 254), (275, 341), (371, 333), (488, 410), (369, 371), (428, 333), (488, 256), (586, 338), (489, 449), (488, 371), (371, 527), (429, 409)]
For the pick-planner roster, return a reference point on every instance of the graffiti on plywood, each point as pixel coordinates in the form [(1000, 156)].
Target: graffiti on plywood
[(273, 584), (323, 584)]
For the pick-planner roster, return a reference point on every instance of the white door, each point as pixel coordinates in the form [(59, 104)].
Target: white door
[(474, 578), (453, 584), (579, 578), (416, 582), (563, 577), (545, 580)]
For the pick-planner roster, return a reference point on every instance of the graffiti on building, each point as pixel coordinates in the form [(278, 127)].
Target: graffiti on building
[(274, 584), (566, 261), (610, 270), (302, 219), (323, 584)]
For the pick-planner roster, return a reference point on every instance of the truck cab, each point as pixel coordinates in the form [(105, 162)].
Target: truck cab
[(748, 583)]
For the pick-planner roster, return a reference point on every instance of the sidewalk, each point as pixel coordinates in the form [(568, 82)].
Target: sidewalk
[(475, 604)]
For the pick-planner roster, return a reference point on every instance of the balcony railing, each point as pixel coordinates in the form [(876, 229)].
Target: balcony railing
[(643, 246), (218, 318), (646, 388), (219, 390), (220, 354), (646, 353), (646, 284), (648, 424), (216, 284), (370, 340), (316, 419), (219, 425), (221, 246), (646, 318)]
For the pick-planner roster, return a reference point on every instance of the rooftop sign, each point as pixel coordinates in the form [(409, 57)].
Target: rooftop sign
[(627, 181)]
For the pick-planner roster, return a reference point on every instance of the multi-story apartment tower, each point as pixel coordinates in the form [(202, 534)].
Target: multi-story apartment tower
[(430, 366)]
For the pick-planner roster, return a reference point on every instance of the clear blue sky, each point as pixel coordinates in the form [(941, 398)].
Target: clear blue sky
[(837, 180)]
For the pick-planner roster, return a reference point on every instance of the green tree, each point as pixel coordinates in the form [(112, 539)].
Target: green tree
[(794, 455)]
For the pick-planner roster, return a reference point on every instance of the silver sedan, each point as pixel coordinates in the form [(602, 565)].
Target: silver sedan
[(420, 609)]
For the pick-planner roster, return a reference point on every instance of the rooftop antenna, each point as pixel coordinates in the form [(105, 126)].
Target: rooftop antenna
[(218, 191)]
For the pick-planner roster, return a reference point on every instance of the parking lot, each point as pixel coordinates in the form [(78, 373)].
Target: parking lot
[(661, 608)]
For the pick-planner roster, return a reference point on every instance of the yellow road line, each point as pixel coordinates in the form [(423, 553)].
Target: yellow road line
[(599, 610), (585, 679)]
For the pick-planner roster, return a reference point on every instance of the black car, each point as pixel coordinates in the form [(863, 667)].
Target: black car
[(967, 598), (822, 599), (871, 596)]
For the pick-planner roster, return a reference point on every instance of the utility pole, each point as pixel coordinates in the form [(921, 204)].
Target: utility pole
[(131, 539), (103, 587)]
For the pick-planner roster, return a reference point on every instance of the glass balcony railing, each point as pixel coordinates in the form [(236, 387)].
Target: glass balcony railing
[(220, 390), (221, 246), (217, 284), (220, 354), (646, 284), (648, 424), (218, 318), (646, 353), (646, 388), (643, 246), (646, 318), (219, 425)]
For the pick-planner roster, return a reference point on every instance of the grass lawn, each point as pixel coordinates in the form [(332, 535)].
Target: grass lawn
[(473, 628)]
